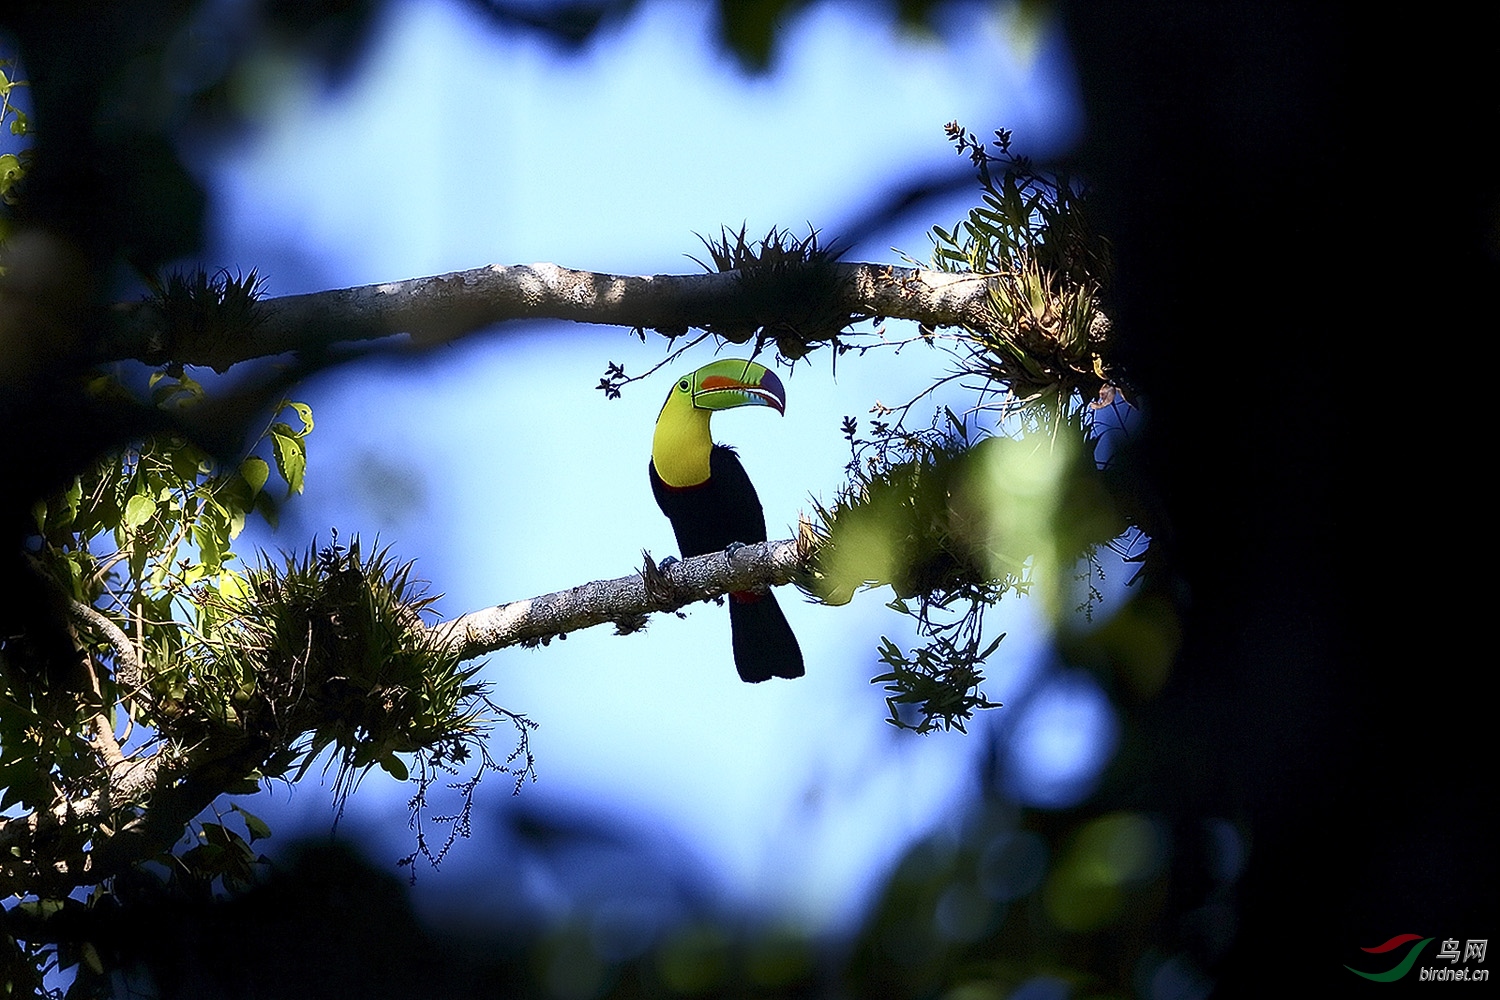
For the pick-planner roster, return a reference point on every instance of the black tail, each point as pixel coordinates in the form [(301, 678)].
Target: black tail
[(764, 646)]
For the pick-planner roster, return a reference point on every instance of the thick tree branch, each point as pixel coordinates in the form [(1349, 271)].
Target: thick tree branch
[(30, 859), (446, 307), (626, 600), (143, 803), (128, 663)]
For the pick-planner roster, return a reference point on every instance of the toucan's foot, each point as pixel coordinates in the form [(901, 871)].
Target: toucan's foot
[(732, 548), (658, 587)]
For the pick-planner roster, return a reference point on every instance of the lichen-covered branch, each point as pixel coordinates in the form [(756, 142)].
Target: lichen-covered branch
[(626, 600), (128, 663), (446, 307), (57, 849), (143, 802)]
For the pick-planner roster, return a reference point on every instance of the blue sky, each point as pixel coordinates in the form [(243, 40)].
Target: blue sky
[(499, 467)]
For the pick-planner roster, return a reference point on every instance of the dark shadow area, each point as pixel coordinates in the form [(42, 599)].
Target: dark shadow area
[(1317, 700)]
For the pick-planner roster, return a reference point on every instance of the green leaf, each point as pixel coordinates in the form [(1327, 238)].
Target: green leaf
[(395, 767), (212, 535), (11, 171), (216, 833), (291, 459), (305, 413), (256, 471), (258, 828), (138, 510), (242, 786), (232, 585), (267, 508), (41, 909), (187, 462), (76, 572)]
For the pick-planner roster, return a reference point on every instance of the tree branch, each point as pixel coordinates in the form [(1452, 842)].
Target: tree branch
[(447, 307), (30, 861), (143, 803), (128, 662), (139, 805), (626, 600)]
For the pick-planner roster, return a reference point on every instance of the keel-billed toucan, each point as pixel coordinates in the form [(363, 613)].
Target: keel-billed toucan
[(703, 490)]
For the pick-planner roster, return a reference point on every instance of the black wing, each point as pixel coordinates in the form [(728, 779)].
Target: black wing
[(709, 517)]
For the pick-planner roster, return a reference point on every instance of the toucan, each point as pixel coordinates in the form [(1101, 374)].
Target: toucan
[(703, 490)]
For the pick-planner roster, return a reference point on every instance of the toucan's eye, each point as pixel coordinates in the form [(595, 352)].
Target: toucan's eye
[(683, 385)]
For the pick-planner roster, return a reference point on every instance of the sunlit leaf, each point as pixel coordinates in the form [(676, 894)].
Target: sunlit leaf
[(256, 471), (304, 413), (291, 459), (138, 510)]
